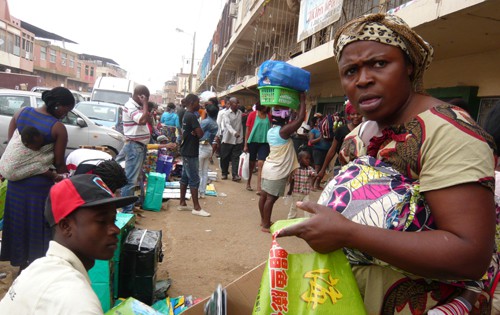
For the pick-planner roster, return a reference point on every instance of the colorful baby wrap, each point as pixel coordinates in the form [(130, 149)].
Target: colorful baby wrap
[(370, 192)]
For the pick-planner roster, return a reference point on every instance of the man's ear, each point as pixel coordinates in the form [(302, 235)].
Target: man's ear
[(65, 226)]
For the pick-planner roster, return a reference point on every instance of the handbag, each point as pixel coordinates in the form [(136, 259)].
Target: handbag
[(244, 165), (306, 283)]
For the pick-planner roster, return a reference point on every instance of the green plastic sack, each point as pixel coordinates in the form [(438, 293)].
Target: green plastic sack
[(154, 191), (3, 196), (309, 283)]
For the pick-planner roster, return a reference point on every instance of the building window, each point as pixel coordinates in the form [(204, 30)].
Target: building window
[(71, 61), (43, 53), (52, 55), (17, 45), (91, 71), (86, 70), (79, 70), (64, 56)]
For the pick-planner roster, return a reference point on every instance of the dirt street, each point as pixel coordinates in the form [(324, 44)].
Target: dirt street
[(203, 252)]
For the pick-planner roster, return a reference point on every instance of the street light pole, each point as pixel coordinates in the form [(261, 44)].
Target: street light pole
[(192, 59), (192, 65)]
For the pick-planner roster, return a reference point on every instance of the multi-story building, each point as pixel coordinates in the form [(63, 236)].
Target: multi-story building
[(16, 44), (28, 50), (170, 94), (464, 33)]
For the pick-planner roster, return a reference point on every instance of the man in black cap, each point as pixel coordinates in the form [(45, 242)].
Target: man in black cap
[(81, 211)]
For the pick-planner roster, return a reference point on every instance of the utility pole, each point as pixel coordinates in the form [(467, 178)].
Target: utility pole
[(192, 65)]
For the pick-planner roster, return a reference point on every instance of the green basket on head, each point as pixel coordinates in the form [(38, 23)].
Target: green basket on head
[(279, 96)]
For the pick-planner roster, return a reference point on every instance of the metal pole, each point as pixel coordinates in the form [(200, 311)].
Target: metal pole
[(192, 65)]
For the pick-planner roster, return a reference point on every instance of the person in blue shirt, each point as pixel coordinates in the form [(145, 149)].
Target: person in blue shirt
[(170, 122), (320, 147), (210, 128)]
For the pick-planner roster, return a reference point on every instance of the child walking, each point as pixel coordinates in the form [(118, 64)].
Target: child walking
[(301, 180)]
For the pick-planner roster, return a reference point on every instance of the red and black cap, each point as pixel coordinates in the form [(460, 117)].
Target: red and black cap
[(78, 191)]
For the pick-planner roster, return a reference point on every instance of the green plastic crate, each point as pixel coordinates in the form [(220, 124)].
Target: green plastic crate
[(279, 96)]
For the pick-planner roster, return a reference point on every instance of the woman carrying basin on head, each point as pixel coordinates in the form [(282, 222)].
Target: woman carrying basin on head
[(26, 235), (381, 64)]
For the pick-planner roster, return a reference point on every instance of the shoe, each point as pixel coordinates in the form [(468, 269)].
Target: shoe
[(201, 196), (201, 213), (249, 188), (184, 208), (224, 177), (236, 178)]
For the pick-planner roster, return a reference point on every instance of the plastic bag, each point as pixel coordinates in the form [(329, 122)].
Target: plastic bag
[(309, 283), (280, 73), (244, 166)]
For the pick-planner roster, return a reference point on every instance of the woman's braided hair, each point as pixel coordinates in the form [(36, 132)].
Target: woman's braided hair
[(112, 174)]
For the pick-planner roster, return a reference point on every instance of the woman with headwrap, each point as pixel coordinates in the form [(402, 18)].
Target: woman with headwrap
[(381, 64), (26, 235), (281, 161)]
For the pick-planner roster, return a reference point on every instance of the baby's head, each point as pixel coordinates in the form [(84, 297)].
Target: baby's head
[(304, 158), (162, 139), (32, 138)]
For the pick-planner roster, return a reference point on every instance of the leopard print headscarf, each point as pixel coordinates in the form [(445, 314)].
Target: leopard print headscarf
[(391, 30)]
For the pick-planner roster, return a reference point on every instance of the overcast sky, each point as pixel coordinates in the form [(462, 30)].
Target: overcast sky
[(139, 35)]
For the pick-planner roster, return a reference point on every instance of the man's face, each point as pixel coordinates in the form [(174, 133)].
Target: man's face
[(94, 233), (233, 104)]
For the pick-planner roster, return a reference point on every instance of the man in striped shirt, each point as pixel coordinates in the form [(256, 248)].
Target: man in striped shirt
[(135, 117)]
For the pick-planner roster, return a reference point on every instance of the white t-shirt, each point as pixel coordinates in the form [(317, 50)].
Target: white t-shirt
[(56, 284), (78, 156)]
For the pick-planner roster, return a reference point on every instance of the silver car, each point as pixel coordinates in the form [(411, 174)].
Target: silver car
[(103, 114), (81, 130)]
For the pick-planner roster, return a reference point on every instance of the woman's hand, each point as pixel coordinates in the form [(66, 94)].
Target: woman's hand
[(245, 148), (325, 232), (321, 174)]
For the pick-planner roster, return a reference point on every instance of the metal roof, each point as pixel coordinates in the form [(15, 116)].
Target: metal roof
[(43, 33)]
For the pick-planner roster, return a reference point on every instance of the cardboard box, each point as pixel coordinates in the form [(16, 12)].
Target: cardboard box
[(240, 294)]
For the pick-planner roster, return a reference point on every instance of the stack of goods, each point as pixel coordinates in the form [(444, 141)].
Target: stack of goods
[(280, 83), (173, 191), (150, 161), (141, 253)]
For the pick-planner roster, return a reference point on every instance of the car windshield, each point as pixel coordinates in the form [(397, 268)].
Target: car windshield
[(98, 111), (114, 97)]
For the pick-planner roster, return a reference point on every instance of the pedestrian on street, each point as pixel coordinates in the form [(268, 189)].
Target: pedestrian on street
[(136, 115), (354, 119), (301, 181), (170, 123), (81, 212), (281, 161), (191, 135), (210, 128), (232, 140), (25, 235), (223, 109), (258, 124)]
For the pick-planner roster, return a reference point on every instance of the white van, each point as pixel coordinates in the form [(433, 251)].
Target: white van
[(112, 90)]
